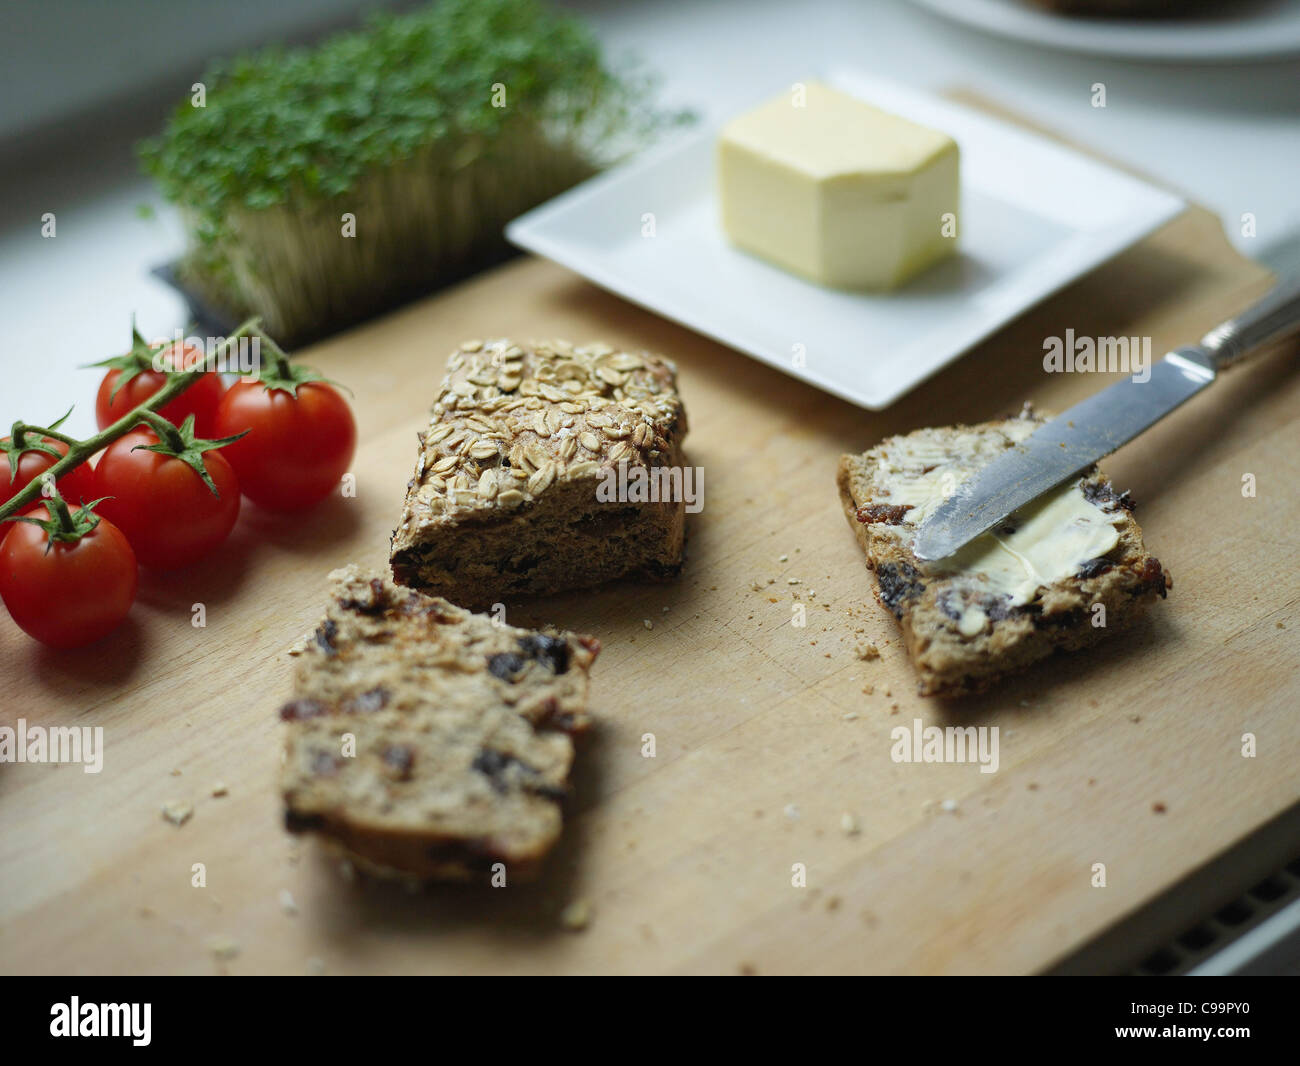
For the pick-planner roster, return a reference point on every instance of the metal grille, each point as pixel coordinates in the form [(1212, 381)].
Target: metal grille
[(1209, 937)]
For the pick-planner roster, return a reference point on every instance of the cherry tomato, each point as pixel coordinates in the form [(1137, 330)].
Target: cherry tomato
[(71, 594), (76, 486), (162, 505), (298, 448), (199, 400)]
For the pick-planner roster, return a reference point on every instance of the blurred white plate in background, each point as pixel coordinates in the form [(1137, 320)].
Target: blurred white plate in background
[(1035, 216), (1227, 33)]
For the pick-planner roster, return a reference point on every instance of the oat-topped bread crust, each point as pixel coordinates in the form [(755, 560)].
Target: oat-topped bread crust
[(1030, 586), (462, 748), (504, 498)]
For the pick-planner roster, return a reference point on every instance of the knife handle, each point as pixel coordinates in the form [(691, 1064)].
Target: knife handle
[(1273, 317)]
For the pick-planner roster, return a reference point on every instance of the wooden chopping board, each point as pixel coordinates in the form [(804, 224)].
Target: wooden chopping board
[(765, 738)]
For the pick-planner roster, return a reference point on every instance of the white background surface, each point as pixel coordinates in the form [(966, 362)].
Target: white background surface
[(1227, 136)]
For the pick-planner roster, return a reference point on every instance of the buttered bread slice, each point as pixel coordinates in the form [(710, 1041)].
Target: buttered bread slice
[(1062, 572)]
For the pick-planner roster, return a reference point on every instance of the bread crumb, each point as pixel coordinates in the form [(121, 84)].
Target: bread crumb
[(868, 651), (219, 790), (1159, 808), (849, 823), (287, 902), (178, 812), (576, 916), (176, 773), (791, 811), (833, 903), (647, 623), (783, 558), (949, 806), (867, 690), (747, 969), (849, 716), (222, 947)]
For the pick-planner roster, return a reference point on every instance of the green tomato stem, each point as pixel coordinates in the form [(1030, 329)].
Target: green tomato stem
[(58, 509), (167, 433), (53, 434), (279, 358)]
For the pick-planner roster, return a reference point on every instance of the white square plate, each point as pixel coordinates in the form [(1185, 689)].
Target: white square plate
[(1035, 216)]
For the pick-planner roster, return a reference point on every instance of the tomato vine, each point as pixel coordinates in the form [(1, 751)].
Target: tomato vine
[(79, 451)]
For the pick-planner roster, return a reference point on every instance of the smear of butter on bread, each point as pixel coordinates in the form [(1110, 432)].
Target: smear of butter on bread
[(1045, 541)]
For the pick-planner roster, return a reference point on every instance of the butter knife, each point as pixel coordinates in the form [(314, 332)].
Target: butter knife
[(1095, 427)]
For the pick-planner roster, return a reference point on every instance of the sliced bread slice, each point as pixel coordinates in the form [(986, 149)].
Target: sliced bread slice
[(429, 741), (1062, 572)]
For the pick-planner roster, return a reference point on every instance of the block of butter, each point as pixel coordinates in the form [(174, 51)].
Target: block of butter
[(827, 186)]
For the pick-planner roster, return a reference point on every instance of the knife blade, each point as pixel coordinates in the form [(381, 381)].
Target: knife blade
[(1095, 427)]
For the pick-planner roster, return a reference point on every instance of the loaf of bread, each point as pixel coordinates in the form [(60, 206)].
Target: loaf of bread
[(519, 486), (428, 741), (1062, 572)]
